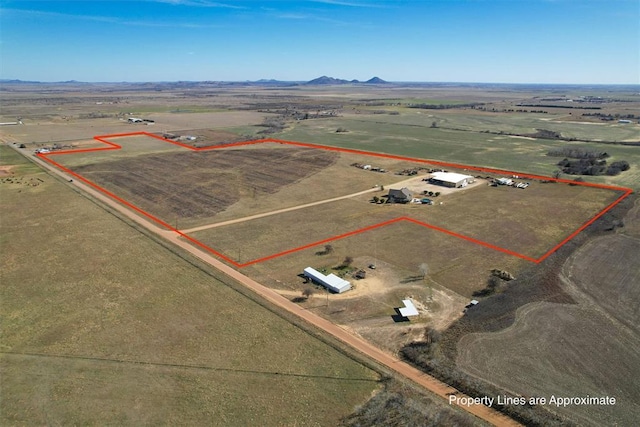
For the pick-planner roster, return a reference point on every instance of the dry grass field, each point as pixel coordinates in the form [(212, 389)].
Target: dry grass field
[(102, 325), (529, 222), (199, 188), (453, 263), (162, 177), (197, 185), (573, 350), (456, 269)]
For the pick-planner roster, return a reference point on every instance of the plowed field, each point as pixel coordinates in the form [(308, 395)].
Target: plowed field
[(189, 185)]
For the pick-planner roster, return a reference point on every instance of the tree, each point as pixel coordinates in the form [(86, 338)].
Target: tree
[(308, 291), (434, 124), (326, 251), (424, 269), (431, 335), (347, 262), (376, 199), (493, 282), (557, 174)]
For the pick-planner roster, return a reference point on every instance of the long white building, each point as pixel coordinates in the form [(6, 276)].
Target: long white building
[(450, 179), (332, 282)]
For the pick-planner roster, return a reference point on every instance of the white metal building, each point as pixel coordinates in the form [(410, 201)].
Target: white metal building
[(409, 309), (450, 179), (332, 282)]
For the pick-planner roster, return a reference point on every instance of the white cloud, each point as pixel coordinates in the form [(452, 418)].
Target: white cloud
[(198, 3), (110, 19), (350, 3)]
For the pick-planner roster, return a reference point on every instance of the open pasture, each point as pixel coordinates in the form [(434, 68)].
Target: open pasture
[(122, 148), (525, 223), (411, 134), (522, 234), (453, 263), (197, 188), (56, 128), (192, 187), (103, 325)]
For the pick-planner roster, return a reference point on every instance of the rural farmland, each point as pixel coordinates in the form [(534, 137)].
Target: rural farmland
[(264, 183)]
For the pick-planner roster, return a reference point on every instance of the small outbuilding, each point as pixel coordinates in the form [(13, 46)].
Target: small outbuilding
[(450, 179), (504, 181), (331, 282)]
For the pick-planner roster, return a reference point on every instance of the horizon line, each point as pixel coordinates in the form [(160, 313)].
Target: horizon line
[(346, 82)]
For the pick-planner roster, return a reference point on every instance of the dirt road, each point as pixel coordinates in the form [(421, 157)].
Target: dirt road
[(295, 208), (367, 349), (279, 211)]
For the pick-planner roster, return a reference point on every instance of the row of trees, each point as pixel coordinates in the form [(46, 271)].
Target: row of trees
[(577, 153)]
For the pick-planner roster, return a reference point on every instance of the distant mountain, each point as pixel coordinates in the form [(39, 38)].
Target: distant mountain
[(324, 80), (271, 82), (16, 81), (34, 82), (375, 81)]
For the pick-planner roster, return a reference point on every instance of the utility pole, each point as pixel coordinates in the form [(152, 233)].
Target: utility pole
[(327, 289)]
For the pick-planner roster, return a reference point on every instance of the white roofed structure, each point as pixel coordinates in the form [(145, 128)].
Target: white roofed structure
[(450, 179), (332, 282), (409, 309)]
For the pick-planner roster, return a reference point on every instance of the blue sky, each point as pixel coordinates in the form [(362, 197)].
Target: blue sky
[(505, 41)]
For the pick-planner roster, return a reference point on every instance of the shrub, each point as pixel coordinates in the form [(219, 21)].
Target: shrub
[(623, 165)]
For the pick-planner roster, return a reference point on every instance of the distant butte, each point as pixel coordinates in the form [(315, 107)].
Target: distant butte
[(324, 80)]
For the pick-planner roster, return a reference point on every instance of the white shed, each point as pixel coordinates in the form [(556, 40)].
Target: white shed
[(409, 309), (332, 282)]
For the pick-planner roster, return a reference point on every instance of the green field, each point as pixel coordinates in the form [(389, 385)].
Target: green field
[(102, 325), (410, 134)]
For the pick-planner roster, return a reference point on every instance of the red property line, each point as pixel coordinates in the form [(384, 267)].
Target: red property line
[(114, 146)]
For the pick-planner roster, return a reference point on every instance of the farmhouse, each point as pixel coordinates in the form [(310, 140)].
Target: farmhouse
[(400, 196), (449, 179), (331, 282)]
